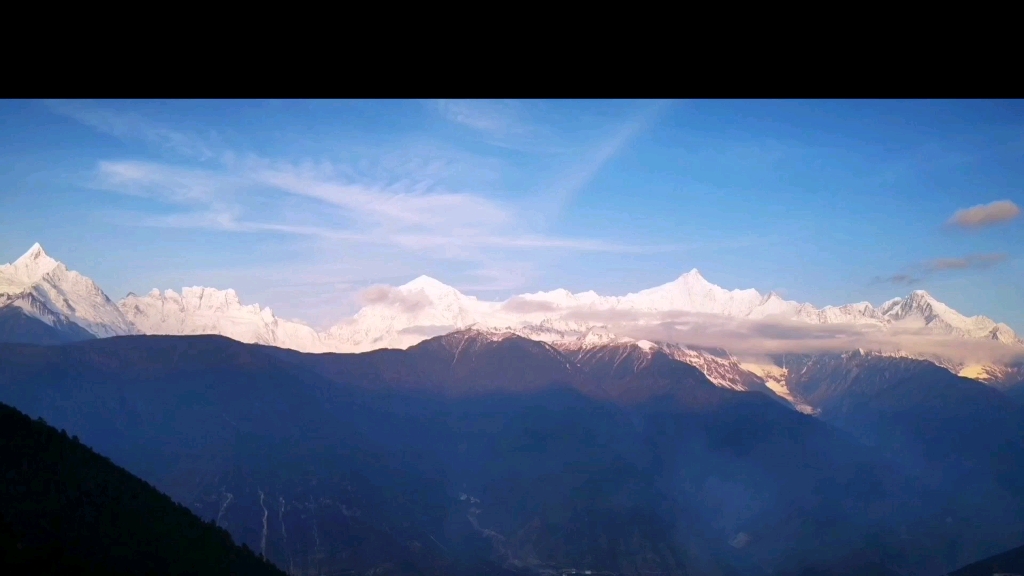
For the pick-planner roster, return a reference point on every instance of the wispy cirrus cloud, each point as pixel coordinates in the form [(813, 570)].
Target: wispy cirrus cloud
[(971, 261), (416, 201), (897, 279), (921, 270), (507, 124), (452, 223), (130, 126), (497, 118), (415, 213), (502, 123), (399, 200), (984, 215), (582, 173)]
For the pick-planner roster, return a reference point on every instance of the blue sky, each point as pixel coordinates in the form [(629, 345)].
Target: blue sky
[(299, 205)]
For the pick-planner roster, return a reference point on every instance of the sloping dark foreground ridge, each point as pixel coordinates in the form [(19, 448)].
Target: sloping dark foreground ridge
[(1009, 562), (66, 510)]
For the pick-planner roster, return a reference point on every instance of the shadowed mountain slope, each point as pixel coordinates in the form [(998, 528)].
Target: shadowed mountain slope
[(66, 510), (472, 454)]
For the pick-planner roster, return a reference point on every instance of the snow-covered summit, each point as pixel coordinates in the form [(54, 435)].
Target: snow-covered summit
[(921, 309), (402, 316), (45, 289), (691, 292), (28, 269), (201, 310), (431, 286), (425, 306)]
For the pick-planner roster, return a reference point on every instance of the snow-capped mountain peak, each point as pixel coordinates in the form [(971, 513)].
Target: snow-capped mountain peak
[(202, 310), (646, 345), (402, 316), (430, 285), (692, 278), (30, 267), (691, 292), (920, 308), (45, 289)]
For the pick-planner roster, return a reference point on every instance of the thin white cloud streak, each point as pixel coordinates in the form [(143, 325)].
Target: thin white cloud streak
[(389, 208), (506, 124), (454, 223), (496, 118), (128, 126), (579, 177), (918, 272), (413, 212)]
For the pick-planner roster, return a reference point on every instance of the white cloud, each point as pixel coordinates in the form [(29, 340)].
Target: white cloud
[(754, 337), (402, 200), (417, 216), (494, 117), (407, 302), (520, 305), (985, 214)]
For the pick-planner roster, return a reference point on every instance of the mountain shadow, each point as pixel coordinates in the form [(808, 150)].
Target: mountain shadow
[(1007, 563), (953, 435), (471, 455), (66, 510), (1016, 392), (19, 328)]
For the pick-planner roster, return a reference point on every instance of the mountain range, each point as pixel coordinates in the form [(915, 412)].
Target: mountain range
[(42, 301), (529, 436), (477, 452)]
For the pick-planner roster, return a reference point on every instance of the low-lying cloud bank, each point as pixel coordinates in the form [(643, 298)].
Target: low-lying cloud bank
[(739, 336), (743, 337), (520, 305), (406, 301)]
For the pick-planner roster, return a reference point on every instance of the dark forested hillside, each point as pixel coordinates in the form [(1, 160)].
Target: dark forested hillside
[(66, 510)]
